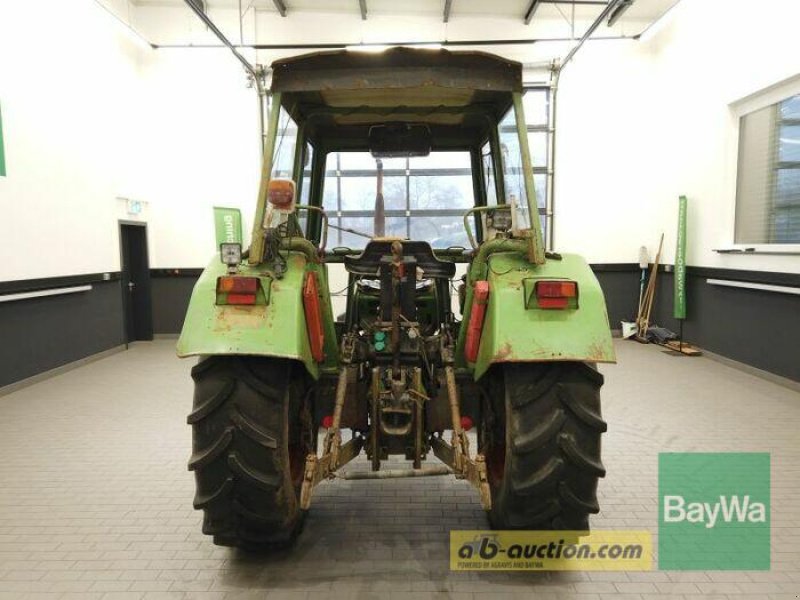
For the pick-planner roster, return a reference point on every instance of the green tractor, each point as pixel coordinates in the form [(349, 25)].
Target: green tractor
[(410, 368)]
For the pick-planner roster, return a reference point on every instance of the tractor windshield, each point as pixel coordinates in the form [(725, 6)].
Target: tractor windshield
[(418, 198)]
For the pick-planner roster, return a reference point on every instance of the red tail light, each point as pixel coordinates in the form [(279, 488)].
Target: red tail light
[(241, 299), (237, 285), (237, 290), (316, 335), (556, 294), (480, 298)]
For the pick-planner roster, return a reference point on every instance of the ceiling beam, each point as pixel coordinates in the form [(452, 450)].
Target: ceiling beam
[(221, 37), (621, 7), (448, 5), (610, 8), (576, 2), (535, 4), (280, 6), (200, 5), (363, 6), (444, 43), (531, 10)]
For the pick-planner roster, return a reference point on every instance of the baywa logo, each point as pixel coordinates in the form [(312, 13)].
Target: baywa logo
[(714, 511), (729, 509)]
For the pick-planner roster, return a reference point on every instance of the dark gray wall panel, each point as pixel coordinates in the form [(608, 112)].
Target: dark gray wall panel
[(758, 328), (755, 327), (621, 289), (170, 301), (39, 334)]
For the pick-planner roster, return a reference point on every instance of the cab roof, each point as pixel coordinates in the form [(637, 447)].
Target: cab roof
[(340, 94)]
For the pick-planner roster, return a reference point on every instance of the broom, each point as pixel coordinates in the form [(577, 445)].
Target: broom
[(643, 319), (644, 261)]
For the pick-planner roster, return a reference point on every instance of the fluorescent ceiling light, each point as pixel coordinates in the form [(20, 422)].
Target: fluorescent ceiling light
[(426, 46), (382, 47), (375, 48)]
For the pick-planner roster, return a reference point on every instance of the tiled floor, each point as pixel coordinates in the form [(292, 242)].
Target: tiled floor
[(95, 498)]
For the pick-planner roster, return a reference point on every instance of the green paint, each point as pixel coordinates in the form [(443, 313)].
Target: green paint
[(679, 300), (511, 333), (697, 530), (227, 225), (514, 333), (2, 149), (277, 329)]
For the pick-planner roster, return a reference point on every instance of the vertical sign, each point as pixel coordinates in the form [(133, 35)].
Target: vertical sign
[(2, 149), (228, 225), (679, 301)]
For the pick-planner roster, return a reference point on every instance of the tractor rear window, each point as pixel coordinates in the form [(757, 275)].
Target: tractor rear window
[(423, 198)]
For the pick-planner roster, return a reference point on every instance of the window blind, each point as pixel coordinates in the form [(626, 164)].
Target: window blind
[(768, 175)]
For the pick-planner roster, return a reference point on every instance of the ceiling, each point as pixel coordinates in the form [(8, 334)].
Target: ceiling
[(535, 32)]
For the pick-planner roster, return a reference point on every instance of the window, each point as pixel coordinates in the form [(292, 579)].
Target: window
[(285, 142), (487, 163), (424, 198), (768, 176), (535, 103)]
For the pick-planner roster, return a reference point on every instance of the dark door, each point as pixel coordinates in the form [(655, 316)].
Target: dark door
[(136, 283)]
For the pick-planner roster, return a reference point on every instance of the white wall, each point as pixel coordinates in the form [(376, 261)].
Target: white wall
[(642, 122), (90, 116), (201, 123), (67, 94)]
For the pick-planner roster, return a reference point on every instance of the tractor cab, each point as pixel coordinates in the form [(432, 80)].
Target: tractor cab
[(390, 115), (380, 116)]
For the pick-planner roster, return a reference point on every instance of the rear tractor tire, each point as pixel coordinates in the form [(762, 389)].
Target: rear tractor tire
[(542, 445), (251, 430)]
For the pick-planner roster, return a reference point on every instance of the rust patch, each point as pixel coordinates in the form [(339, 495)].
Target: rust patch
[(506, 352), (234, 317), (597, 351)]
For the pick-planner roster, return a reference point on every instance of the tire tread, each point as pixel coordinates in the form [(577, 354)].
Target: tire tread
[(240, 452), (552, 429)]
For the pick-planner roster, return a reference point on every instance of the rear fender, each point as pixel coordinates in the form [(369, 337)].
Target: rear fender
[(276, 329), (513, 333)]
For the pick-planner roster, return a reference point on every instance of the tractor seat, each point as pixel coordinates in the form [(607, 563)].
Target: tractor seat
[(369, 261)]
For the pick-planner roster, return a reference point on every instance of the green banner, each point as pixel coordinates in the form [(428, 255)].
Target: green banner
[(227, 224), (2, 149), (679, 301)]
